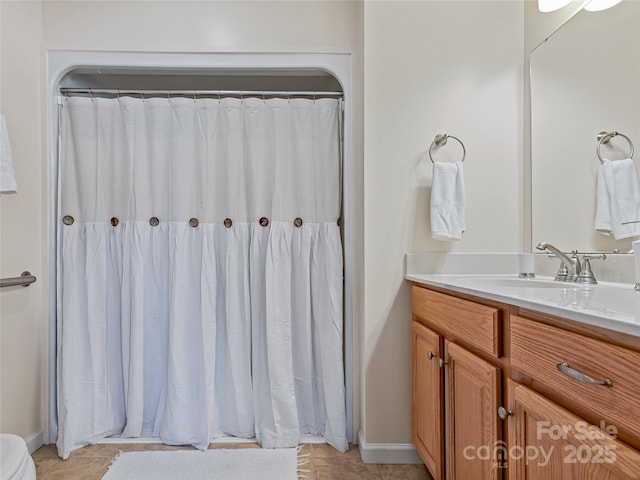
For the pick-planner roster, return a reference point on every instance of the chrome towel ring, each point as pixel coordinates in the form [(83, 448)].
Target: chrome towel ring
[(604, 137), (441, 140)]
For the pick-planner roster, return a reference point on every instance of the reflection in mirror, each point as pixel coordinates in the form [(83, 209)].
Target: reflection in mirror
[(585, 79)]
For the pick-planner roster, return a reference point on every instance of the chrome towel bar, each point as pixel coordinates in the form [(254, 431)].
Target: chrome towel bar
[(25, 280)]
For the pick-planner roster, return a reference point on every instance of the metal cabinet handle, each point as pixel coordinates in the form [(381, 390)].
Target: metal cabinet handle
[(581, 377), (503, 413), (430, 355)]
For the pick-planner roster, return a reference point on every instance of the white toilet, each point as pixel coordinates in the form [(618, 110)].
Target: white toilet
[(15, 461)]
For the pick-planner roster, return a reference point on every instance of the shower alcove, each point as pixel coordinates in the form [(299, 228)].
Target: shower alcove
[(147, 75)]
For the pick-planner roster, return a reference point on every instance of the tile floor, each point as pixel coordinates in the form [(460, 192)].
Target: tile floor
[(91, 463)]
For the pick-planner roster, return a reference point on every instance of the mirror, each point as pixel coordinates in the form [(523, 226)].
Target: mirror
[(584, 79)]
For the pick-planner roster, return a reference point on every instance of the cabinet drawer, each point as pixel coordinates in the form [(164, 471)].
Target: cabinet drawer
[(537, 349), (460, 320)]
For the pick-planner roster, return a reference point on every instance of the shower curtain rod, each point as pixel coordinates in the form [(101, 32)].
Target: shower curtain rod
[(215, 93)]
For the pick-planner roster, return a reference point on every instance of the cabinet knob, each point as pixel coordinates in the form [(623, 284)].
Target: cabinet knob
[(503, 413), (431, 355)]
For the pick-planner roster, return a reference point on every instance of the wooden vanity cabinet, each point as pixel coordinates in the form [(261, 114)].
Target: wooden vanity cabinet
[(471, 356), (453, 387)]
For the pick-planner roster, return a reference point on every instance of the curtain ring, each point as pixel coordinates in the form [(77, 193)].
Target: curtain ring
[(114, 221), (141, 94), (154, 221), (194, 222), (194, 96), (227, 222), (264, 221), (298, 222), (68, 220), (219, 96), (263, 99)]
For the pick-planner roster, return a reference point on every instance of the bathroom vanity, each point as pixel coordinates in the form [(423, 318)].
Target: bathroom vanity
[(516, 380)]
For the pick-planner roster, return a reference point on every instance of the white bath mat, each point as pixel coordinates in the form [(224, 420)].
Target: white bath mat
[(215, 464)]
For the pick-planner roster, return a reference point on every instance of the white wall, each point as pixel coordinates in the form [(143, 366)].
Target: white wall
[(23, 310), (201, 26), (432, 67)]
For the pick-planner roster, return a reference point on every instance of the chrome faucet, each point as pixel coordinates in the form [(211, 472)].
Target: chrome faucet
[(571, 270), (570, 267)]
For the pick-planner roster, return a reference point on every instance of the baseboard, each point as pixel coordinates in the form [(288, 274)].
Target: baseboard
[(35, 441), (398, 453)]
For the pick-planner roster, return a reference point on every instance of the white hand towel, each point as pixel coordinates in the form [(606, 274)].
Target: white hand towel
[(447, 201), (618, 199), (7, 175)]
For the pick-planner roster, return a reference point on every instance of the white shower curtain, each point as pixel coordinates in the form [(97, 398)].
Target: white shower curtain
[(200, 271)]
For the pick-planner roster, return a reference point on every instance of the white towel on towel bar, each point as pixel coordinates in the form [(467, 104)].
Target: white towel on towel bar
[(618, 199), (7, 174), (447, 201)]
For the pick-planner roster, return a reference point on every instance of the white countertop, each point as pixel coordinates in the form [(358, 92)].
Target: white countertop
[(609, 305)]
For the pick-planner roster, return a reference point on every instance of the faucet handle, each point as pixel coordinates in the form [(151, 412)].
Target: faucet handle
[(586, 275)]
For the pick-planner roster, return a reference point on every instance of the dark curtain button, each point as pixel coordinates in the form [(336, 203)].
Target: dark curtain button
[(298, 222), (114, 221), (228, 222)]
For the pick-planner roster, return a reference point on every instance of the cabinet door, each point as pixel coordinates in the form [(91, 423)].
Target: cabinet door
[(548, 442), (473, 428), (427, 413)]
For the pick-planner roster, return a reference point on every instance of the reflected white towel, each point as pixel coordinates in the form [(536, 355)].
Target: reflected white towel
[(447, 201), (618, 199), (7, 175)]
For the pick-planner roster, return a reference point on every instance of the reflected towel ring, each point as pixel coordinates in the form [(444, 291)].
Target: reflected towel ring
[(604, 137), (441, 140)]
